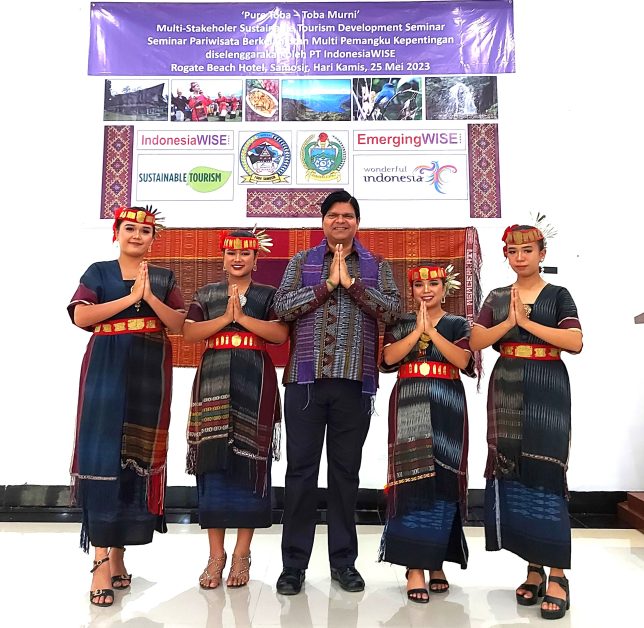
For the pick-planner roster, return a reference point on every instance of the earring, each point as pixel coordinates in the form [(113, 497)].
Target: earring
[(255, 267), (443, 299)]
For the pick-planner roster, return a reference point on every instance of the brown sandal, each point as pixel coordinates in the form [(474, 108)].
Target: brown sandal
[(98, 593), (238, 571), (206, 578)]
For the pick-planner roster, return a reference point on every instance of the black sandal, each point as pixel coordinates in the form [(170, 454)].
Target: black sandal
[(412, 593), (563, 605), (439, 581), (537, 590), (98, 593), (433, 581), (117, 581)]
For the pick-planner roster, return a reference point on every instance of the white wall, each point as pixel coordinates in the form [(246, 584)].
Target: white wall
[(570, 147)]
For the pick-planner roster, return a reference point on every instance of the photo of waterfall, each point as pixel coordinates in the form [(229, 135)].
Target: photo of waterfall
[(461, 98)]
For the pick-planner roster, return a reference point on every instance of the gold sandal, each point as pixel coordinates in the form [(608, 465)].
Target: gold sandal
[(206, 579), (238, 573)]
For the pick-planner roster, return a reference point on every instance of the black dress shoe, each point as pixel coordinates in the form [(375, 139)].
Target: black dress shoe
[(349, 578), (290, 581)]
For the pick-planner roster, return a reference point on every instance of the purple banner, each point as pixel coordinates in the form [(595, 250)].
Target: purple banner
[(301, 39)]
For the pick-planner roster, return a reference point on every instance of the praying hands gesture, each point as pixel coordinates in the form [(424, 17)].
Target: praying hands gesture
[(141, 287), (520, 314), (338, 272), (517, 314), (238, 313), (423, 320), (511, 319), (147, 290), (234, 312)]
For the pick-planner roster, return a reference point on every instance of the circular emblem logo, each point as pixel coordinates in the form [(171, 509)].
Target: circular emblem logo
[(265, 157)]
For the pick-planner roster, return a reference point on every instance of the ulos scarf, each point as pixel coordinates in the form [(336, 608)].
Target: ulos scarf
[(235, 409)]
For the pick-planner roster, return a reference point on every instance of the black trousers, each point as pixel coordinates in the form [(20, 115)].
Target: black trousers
[(337, 407)]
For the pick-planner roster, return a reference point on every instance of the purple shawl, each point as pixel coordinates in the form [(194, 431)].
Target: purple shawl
[(312, 276)]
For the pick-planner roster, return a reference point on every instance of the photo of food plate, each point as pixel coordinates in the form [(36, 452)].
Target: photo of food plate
[(261, 102)]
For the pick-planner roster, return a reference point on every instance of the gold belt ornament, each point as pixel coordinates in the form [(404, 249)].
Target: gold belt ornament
[(440, 370), (236, 340), (141, 324), (529, 351)]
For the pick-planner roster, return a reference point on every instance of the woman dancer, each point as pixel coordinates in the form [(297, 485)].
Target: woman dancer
[(529, 323), (427, 468), (119, 461), (199, 103), (235, 407)]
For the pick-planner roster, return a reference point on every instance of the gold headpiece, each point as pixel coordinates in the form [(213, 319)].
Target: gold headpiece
[(142, 215), (435, 272), (514, 235), (257, 241), (425, 272)]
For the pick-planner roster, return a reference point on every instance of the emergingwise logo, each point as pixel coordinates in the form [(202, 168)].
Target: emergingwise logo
[(265, 157), (323, 156)]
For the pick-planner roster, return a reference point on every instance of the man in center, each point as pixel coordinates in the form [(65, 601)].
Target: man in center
[(333, 295)]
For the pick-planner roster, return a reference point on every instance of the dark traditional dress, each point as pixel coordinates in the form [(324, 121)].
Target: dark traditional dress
[(119, 462), (528, 433), (235, 413), (427, 462)]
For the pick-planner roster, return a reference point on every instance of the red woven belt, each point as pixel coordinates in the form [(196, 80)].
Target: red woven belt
[(429, 369), (235, 340)]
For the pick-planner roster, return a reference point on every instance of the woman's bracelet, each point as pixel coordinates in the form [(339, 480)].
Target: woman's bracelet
[(333, 286)]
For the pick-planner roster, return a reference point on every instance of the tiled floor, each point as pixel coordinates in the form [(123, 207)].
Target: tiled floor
[(45, 579)]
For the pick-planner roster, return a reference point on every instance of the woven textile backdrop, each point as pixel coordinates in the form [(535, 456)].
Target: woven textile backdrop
[(194, 256)]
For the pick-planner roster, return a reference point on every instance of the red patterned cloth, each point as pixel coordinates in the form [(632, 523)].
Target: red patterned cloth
[(194, 257), (286, 202)]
